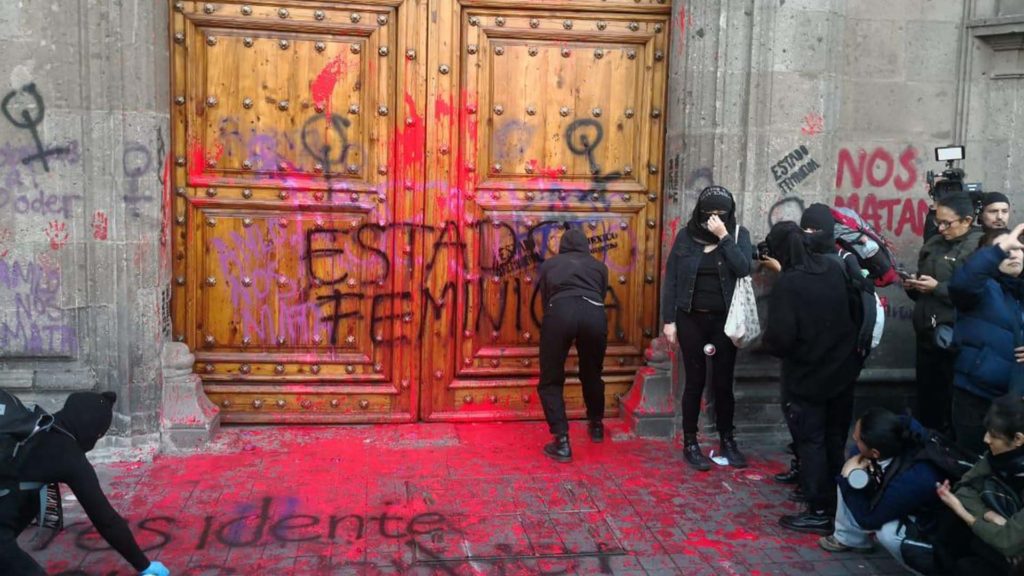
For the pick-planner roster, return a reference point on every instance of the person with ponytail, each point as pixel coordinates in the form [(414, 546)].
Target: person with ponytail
[(887, 488), (707, 258)]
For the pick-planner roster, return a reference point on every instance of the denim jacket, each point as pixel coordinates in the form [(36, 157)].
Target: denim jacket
[(682, 264)]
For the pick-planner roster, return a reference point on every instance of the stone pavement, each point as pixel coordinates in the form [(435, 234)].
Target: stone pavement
[(448, 499)]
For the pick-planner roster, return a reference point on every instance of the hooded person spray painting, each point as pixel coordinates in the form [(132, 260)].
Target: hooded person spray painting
[(572, 287)]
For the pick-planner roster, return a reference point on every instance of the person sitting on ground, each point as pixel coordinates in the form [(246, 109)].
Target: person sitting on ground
[(988, 294), (995, 211), (886, 488), (810, 327), (988, 498), (58, 456)]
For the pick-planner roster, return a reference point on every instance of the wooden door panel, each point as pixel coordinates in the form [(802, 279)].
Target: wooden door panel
[(557, 122), (291, 281)]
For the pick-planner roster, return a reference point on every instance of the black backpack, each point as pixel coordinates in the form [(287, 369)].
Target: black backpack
[(949, 458), (19, 427)]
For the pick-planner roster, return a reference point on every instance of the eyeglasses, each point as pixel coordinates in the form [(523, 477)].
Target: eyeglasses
[(943, 224), (718, 213)]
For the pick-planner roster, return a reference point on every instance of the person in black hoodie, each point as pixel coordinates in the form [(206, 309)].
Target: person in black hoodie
[(707, 258), (819, 225), (811, 329), (572, 287), (58, 456)]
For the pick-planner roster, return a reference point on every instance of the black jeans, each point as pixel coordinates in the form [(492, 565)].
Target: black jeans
[(567, 320), (934, 385), (694, 330), (819, 432), (969, 421)]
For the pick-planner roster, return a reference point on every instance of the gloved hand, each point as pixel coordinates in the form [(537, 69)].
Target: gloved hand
[(670, 332), (156, 569)]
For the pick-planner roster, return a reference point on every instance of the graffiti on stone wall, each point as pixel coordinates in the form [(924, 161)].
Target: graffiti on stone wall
[(793, 168), (814, 124), (873, 175), (34, 324)]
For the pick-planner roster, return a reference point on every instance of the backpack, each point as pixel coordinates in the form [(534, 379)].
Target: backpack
[(856, 295), (873, 251), (949, 458), (19, 426)]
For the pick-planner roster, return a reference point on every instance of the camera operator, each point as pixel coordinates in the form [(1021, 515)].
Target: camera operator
[(995, 211), (886, 488), (933, 318)]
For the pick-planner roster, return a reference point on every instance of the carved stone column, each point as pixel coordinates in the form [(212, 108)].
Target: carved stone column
[(188, 419), (649, 407)]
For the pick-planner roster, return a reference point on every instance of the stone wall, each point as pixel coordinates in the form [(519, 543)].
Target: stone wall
[(83, 258)]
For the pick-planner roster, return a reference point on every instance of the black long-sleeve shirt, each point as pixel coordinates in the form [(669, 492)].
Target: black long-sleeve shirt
[(56, 457)]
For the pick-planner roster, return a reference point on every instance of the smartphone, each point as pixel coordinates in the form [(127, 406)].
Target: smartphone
[(906, 275)]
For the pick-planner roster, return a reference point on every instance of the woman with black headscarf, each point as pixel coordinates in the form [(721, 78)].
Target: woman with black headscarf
[(707, 258), (811, 329)]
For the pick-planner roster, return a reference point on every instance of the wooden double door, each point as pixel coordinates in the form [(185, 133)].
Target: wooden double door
[(362, 194)]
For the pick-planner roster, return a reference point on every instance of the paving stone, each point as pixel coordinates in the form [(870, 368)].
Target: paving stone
[(454, 500)]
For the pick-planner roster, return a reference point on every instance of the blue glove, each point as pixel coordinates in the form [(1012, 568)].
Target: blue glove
[(156, 569)]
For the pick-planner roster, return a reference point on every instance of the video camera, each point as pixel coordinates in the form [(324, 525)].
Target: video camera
[(951, 180)]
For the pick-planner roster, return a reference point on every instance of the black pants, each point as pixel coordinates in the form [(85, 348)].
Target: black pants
[(934, 385), (694, 330), (16, 562), (819, 431), (969, 420), (567, 320)]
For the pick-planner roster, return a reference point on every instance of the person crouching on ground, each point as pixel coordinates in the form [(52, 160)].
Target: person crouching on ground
[(810, 327), (885, 488), (988, 294), (58, 456), (572, 287), (707, 258), (987, 500)]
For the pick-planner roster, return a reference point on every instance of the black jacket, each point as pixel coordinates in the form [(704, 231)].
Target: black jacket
[(683, 261), (940, 258), (811, 329), (573, 272), (59, 456)]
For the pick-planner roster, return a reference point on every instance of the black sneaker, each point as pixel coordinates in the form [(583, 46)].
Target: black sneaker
[(596, 431), (695, 456), (810, 522), (791, 476), (559, 449), (728, 448)]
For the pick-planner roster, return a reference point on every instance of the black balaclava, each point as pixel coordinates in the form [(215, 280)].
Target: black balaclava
[(573, 240), (711, 198), (786, 242), (819, 217), (86, 417)]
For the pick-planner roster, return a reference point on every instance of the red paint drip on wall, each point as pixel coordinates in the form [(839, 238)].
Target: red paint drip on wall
[(322, 88)]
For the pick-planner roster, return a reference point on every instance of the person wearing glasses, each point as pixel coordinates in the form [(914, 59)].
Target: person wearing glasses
[(707, 258), (940, 256), (989, 297)]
